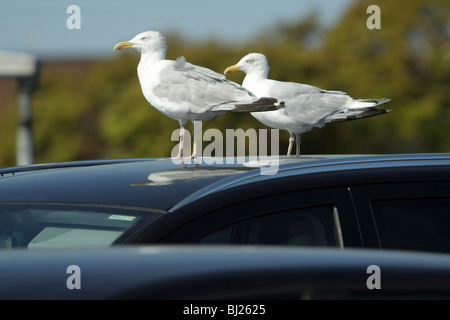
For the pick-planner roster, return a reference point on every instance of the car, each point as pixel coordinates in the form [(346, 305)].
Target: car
[(394, 201), (231, 274)]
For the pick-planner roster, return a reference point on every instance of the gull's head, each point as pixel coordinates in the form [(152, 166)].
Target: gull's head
[(148, 41), (251, 64)]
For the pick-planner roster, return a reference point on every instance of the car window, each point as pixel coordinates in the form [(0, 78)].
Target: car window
[(315, 226), (413, 224), (70, 226)]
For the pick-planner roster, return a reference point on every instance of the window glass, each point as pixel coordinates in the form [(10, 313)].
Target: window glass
[(301, 227), (48, 226), (220, 236), (413, 224)]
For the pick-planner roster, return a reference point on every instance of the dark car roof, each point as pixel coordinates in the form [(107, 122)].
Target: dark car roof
[(317, 171), (150, 183), (163, 184), (188, 272)]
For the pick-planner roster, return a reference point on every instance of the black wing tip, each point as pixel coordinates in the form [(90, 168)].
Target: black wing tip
[(370, 113), (262, 104), (367, 113)]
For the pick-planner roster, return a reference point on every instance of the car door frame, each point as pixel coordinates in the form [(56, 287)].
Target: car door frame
[(229, 206), (364, 194)]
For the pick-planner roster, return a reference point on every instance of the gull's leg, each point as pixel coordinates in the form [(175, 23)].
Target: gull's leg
[(297, 138), (195, 146), (180, 147), (291, 143)]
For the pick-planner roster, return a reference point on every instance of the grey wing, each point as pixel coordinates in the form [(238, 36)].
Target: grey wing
[(290, 90), (313, 108), (199, 88), (308, 104)]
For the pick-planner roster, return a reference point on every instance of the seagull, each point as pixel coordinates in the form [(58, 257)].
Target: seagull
[(183, 91), (306, 106)]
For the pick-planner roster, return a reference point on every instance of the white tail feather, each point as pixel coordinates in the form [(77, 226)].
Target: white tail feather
[(368, 103)]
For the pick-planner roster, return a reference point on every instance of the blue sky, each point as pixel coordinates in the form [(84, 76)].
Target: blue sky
[(39, 26)]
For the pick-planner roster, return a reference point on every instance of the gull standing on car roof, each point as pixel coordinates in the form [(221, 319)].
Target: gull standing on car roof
[(183, 91), (306, 106)]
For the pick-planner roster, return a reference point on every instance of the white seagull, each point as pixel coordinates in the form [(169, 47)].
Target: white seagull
[(306, 106), (183, 91)]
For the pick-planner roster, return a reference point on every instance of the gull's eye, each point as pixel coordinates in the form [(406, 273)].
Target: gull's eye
[(249, 61), (144, 38)]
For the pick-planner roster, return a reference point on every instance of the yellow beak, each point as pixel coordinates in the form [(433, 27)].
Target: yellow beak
[(232, 69), (123, 45)]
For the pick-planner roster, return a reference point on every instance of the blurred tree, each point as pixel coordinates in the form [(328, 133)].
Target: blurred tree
[(407, 60)]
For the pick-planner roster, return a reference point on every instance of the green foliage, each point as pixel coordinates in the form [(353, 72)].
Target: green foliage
[(8, 123), (95, 109)]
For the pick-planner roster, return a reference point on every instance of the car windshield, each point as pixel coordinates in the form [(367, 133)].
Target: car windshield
[(36, 226)]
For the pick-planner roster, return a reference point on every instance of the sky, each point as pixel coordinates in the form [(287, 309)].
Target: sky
[(39, 27)]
